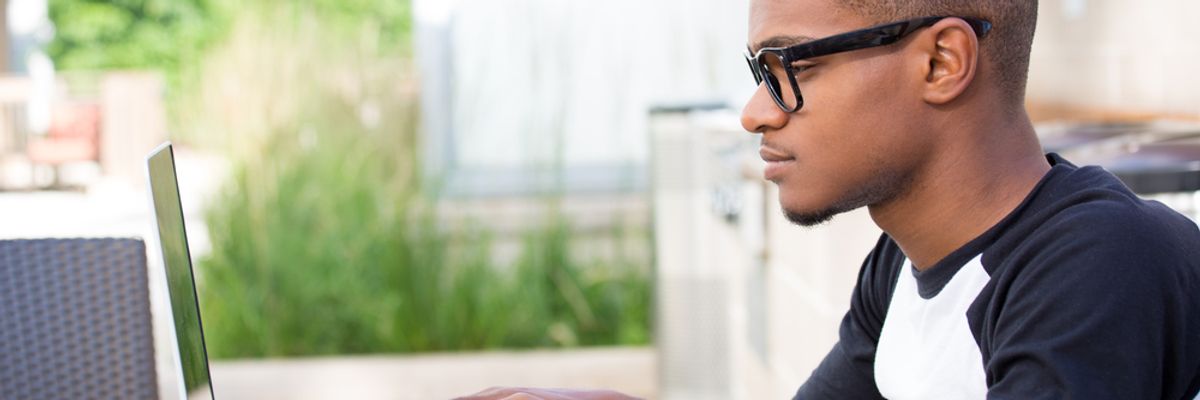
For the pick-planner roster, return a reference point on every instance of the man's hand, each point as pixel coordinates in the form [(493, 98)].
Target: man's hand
[(546, 394)]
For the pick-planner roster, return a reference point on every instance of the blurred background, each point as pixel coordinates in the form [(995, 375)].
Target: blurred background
[(423, 198)]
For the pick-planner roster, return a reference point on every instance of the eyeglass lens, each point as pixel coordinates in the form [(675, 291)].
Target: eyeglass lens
[(778, 81)]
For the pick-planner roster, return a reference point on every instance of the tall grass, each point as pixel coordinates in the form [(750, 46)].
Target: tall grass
[(323, 241), (327, 251)]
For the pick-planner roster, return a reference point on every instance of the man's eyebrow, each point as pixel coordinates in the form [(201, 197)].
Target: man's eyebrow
[(780, 41)]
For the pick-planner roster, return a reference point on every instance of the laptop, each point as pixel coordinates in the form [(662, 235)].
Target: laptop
[(181, 283)]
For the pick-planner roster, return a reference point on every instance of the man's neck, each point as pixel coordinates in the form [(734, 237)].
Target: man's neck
[(964, 192)]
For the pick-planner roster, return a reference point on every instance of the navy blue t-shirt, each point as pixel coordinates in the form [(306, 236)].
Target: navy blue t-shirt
[(1084, 291)]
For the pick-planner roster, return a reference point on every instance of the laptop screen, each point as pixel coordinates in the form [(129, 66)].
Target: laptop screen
[(168, 211)]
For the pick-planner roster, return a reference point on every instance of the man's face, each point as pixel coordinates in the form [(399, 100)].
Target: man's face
[(856, 139)]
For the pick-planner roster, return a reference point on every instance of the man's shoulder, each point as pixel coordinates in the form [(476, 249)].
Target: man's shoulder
[(1092, 225), (1097, 268), (1107, 218)]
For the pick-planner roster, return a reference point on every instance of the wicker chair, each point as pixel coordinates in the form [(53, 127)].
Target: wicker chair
[(75, 320)]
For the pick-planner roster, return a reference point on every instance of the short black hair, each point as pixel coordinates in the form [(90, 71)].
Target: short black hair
[(1007, 46)]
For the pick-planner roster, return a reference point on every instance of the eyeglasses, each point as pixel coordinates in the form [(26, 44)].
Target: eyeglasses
[(774, 64)]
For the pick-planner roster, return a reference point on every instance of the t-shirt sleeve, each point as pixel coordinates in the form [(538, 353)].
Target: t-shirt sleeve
[(848, 371), (1105, 315)]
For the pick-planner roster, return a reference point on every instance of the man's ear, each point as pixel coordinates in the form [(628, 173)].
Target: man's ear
[(952, 50)]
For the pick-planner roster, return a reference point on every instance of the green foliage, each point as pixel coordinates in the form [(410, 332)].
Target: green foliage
[(125, 34), (324, 243), (387, 23), (171, 34), (561, 300), (178, 37), (328, 248)]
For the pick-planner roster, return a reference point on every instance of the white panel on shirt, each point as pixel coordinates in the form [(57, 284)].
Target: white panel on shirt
[(926, 349)]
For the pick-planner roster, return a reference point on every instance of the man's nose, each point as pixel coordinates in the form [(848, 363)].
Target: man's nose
[(761, 113)]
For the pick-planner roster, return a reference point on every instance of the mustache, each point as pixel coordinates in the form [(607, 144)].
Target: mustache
[(773, 147)]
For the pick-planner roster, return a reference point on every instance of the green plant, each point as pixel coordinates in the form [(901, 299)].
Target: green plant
[(323, 240), (92, 34), (183, 38), (565, 301), (331, 250)]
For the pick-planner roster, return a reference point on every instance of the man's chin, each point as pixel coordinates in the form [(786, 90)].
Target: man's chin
[(808, 219), (817, 216), (818, 207)]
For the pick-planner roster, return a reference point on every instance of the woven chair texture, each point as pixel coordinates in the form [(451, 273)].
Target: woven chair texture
[(75, 320)]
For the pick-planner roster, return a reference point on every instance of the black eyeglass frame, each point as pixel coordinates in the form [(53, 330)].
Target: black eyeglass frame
[(880, 35)]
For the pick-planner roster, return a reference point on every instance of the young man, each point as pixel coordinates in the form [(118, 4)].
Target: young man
[(1003, 272)]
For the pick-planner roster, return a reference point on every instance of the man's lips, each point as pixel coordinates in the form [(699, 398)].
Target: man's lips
[(777, 162), (771, 155)]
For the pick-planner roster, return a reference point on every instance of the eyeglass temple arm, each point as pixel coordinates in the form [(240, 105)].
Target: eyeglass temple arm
[(980, 26), (873, 37)]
